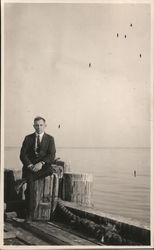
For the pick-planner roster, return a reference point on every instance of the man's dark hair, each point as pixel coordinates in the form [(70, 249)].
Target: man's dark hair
[(38, 118)]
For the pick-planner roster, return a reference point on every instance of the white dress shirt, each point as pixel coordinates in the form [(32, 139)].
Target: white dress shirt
[(40, 135)]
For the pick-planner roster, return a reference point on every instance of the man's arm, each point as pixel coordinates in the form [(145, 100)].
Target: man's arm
[(49, 158), (23, 153)]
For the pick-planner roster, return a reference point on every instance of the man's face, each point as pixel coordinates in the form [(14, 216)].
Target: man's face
[(39, 126)]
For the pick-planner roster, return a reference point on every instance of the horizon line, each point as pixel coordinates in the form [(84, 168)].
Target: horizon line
[(96, 147)]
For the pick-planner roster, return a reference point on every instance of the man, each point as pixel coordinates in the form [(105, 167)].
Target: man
[(38, 149), (37, 155)]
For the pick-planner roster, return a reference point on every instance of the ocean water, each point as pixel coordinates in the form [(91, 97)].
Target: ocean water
[(116, 190)]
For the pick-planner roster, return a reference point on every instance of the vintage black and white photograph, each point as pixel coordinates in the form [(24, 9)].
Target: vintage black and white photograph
[(77, 124)]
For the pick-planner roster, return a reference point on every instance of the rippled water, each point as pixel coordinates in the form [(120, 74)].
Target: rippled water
[(116, 190)]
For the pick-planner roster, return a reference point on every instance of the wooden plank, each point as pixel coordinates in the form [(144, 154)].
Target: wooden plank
[(24, 236), (13, 242), (44, 211), (8, 227), (66, 236), (54, 235), (10, 215), (75, 232), (40, 231), (29, 239), (9, 235)]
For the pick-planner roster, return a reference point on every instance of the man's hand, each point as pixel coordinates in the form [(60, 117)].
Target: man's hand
[(37, 166), (30, 166)]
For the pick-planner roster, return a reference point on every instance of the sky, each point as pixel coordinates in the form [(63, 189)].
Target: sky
[(73, 65)]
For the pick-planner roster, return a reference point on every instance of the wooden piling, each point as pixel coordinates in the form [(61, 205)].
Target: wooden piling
[(78, 188), (43, 197)]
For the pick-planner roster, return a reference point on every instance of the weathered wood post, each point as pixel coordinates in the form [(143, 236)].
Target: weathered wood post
[(78, 188), (43, 197), (9, 185)]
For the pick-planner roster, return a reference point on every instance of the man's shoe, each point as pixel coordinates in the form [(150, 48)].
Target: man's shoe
[(19, 184)]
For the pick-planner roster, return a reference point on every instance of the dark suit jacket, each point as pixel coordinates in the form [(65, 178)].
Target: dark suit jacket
[(47, 150)]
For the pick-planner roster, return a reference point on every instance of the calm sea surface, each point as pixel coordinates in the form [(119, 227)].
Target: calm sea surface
[(116, 190)]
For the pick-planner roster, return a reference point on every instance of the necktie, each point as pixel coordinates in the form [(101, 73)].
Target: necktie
[(38, 144)]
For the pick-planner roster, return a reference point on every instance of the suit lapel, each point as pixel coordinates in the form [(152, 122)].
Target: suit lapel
[(44, 139), (33, 141)]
